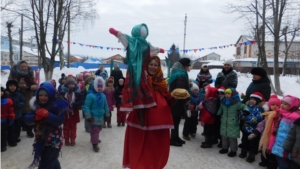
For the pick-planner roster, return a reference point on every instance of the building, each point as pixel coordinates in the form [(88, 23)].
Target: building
[(247, 52), (93, 60), (74, 58), (117, 59), (28, 54), (209, 58)]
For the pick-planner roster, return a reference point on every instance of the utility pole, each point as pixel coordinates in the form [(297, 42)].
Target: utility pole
[(185, 20), (21, 37), (69, 39)]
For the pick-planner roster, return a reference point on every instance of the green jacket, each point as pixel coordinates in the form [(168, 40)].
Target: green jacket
[(230, 119)]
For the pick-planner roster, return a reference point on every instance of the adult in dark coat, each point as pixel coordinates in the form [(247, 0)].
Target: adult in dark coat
[(178, 79), (117, 74), (260, 83), (23, 74), (100, 70), (203, 76), (227, 77)]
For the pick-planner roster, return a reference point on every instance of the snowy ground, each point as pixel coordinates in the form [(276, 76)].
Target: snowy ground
[(111, 147)]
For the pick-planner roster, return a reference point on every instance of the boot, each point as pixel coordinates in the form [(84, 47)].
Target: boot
[(123, 124), (231, 154), (223, 151), (243, 154), (251, 157), (180, 141), (119, 124), (207, 143), (175, 143), (186, 137), (264, 161), (96, 147), (104, 125), (67, 142), (72, 142), (109, 124)]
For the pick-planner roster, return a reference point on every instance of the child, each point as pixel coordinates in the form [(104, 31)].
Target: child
[(288, 114), (209, 110), (88, 78), (19, 103), (230, 129), (250, 122), (292, 144), (7, 117), (71, 92), (95, 108), (191, 121), (109, 92), (121, 116), (61, 82), (79, 78), (47, 115), (217, 137), (267, 159), (103, 75)]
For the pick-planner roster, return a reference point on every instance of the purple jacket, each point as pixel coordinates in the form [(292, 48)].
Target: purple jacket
[(110, 97), (260, 128)]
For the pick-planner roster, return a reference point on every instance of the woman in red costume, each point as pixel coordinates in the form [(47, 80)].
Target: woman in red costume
[(148, 146)]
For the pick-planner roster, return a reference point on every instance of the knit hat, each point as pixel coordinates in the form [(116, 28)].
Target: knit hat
[(257, 96), (228, 62), (79, 76), (185, 62), (194, 87), (42, 92), (287, 99), (204, 65), (228, 91), (70, 80), (259, 71), (221, 89), (274, 100), (180, 93), (121, 79)]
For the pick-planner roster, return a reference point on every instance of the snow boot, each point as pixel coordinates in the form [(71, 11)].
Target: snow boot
[(180, 140), (109, 124), (231, 154), (96, 147), (193, 135), (208, 142), (251, 157), (223, 151), (119, 124), (243, 154), (186, 137)]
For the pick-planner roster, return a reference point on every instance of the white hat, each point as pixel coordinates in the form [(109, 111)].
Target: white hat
[(204, 65), (194, 87), (228, 62)]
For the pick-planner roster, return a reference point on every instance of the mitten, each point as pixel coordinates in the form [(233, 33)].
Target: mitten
[(285, 154), (113, 31), (11, 122), (242, 96), (38, 117), (251, 136), (43, 113), (161, 50), (91, 120)]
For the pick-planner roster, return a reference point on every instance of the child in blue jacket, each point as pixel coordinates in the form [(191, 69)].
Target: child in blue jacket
[(95, 110)]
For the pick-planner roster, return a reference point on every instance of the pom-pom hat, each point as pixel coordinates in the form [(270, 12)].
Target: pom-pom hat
[(221, 89), (257, 95), (274, 100)]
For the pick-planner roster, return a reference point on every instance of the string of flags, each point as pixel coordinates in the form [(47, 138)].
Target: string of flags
[(167, 50)]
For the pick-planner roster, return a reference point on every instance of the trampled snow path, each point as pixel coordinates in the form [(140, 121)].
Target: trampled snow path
[(111, 151)]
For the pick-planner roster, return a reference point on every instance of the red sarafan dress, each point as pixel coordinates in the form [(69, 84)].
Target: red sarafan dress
[(148, 146)]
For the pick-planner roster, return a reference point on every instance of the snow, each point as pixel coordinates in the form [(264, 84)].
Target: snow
[(111, 147)]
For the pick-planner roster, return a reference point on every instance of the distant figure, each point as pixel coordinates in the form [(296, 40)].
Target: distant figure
[(117, 74), (227, 77), (100, 70), (203, 76)]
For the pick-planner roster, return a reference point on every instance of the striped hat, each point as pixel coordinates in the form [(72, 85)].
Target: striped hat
[(257, 95), (221, 89)]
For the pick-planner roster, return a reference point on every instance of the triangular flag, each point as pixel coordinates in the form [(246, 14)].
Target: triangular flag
[(195, 50), (107, 48)]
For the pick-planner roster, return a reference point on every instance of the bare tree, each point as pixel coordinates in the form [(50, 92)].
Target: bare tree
[(9, 25)]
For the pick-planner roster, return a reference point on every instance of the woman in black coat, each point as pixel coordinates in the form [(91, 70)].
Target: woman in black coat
[(260, 83)]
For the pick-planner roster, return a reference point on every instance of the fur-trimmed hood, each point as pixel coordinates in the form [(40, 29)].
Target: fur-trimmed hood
[(94, 84)]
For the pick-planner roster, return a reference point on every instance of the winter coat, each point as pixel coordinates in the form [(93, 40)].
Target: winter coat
[(19, 103), (203, 77), (228, 79), (97, 73), (262, 85), (28, 79), (209, 106), (74, 104), (93, 109), (178, 79), (292, 142), (110, 97), (117, 74), (284, 127), (230, 118), (260, 128), (48, 131), (118, 92), (7, 109), (250, 122)]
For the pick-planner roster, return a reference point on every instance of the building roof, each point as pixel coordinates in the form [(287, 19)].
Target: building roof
[(109, 58), (93, 60), (246, 37)]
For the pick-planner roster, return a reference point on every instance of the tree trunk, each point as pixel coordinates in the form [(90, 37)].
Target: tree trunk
[(11, 52)]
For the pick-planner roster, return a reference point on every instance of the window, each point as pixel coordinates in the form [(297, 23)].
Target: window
[(245, 49), (31, 59), (238, 51), (16, 57)]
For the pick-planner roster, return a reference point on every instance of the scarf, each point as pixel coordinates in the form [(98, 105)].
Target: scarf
[(21, 72), (157, 82), (178, 71), (232, 100)]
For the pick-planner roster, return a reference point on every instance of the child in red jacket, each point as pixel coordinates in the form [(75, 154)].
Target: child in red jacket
[(7, 117)]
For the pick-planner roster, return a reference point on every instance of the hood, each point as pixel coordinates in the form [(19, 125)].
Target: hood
[(210, 92), (94, 84), (50, 90), (9, 82), (136, 31), (295, 103), (118, 85)]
